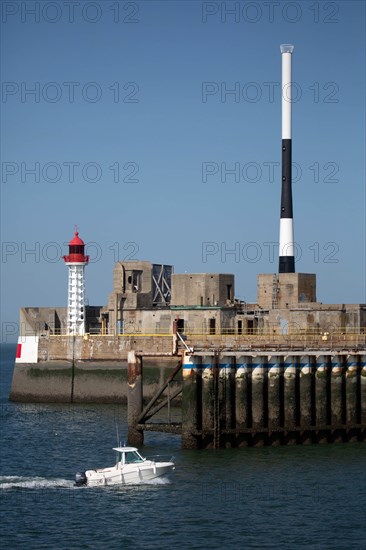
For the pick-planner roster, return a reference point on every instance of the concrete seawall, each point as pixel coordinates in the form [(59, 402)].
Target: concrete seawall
[(84, 381), (86, 369), (229, 396)]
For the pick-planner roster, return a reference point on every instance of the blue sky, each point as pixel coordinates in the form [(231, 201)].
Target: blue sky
[(146, 89)]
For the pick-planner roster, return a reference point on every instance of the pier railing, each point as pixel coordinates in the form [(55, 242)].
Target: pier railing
[(230, 339), (277, 341), (226, 332)]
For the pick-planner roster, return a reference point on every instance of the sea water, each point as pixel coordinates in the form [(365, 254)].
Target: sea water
[(280, 497)]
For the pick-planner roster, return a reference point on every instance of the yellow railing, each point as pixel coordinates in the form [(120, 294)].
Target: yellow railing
[(198, 333)]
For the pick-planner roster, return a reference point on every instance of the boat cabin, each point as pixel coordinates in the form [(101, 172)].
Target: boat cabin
[(128, 455)]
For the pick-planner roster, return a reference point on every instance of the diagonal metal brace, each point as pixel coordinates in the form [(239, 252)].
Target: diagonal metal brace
[(162, 404), (159, 392)]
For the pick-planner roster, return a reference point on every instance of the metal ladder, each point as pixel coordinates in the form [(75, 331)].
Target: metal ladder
[(275, 290)]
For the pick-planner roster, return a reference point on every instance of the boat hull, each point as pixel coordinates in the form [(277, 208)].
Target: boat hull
[(126, 475)]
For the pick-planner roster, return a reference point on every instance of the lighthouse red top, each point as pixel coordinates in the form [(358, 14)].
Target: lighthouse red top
[(76, 251), (76, 241)]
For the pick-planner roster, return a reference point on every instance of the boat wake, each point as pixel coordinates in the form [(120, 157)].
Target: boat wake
[(8, 483), (158, 481), (17, 482)]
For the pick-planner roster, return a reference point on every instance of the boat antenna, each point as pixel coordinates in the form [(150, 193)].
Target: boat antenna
[(118, 439)]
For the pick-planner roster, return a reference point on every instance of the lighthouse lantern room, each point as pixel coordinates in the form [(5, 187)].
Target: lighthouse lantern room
[(76, 262)]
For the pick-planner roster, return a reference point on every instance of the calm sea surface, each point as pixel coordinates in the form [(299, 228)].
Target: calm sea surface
[(283, 497)]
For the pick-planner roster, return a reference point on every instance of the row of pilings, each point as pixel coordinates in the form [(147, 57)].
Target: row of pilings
[(235, 399)]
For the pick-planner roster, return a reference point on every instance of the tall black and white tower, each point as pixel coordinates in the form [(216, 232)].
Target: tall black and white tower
[(287, 259)]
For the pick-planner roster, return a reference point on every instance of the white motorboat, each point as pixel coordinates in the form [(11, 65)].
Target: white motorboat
[(130, 468)]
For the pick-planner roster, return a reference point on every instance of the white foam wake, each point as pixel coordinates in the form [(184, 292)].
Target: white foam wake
[(158, 481), (18, 482)]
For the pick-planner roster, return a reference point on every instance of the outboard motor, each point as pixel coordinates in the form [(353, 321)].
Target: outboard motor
[(80, 479)]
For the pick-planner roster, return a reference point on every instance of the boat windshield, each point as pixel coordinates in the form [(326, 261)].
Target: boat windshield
[(132, 457)]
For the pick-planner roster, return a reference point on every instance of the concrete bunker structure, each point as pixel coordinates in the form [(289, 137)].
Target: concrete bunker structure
[(149, 298)]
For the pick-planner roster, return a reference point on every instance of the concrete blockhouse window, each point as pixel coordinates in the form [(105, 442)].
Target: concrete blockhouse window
[(229, 292)]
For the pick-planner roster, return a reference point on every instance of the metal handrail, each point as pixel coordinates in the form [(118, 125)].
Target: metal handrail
[(154, 458), (199, 334)]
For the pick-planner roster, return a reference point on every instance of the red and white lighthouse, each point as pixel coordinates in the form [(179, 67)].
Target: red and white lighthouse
[(76, 262)]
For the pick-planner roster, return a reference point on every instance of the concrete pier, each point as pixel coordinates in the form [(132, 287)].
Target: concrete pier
[(275, 408), (337, 390), (229, 396), (243, 403), (259, 377), (207, 397), (260, 399), (191, 400), (322, 377), (306, 397)]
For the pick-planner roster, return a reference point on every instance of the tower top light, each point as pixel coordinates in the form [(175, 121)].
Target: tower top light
[(76, 251), (287, 48), (76, 240)]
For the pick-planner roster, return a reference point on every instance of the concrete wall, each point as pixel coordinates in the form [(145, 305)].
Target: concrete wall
[(161, 321), (93, 368), (136, 285), (100, 348), (315, 318), (286, 289), (85, 382), (311, 317), (133, 281), (198, 321), (53, 320), (202, 289), (34, 320)]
